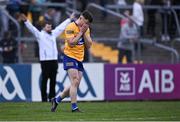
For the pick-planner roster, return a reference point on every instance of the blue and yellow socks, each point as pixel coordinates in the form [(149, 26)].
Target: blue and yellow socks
[(58, 99), (74, 106)]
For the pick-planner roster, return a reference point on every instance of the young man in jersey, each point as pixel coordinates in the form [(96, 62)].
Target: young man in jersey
[(78, 38)]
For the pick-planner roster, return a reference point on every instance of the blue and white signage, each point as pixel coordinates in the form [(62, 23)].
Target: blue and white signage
[(15, 82), (22, 82), (91, 86)]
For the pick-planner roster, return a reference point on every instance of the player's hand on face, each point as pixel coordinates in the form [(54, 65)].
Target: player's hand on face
[(84, 28)]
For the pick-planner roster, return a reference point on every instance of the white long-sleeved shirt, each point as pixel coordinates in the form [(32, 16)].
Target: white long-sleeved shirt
[(47, 42), (138, 15)]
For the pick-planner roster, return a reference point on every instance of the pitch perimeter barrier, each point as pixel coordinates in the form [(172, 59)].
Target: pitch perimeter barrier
[(21, 82)]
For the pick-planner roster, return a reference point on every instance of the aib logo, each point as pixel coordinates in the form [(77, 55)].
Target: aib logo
[(125, 81), (7, 77)]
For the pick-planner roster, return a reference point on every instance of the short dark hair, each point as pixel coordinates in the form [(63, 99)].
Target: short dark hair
[(87, 15)]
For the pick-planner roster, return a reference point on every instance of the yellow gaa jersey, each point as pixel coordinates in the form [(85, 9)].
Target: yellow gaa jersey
[(77, 51)]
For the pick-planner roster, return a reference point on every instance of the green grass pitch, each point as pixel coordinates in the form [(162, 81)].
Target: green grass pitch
[(92, 111)]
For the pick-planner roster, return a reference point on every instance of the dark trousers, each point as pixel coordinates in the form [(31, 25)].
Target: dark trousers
[(151, 22), (127, 53), (49, 70)]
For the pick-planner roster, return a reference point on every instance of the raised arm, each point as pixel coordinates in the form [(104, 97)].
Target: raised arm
[(30, 27), (61, 27)]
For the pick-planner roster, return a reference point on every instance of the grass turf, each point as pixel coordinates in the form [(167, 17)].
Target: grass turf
[(93, 111)]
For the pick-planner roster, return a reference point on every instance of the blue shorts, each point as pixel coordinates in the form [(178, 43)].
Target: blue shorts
[(69, 63)]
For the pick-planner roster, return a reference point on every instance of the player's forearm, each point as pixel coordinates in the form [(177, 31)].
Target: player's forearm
[(88, 41), (74, 41), (88, 44)]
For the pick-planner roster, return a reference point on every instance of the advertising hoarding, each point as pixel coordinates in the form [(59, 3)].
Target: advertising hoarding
[(142, 82), (22, 82)]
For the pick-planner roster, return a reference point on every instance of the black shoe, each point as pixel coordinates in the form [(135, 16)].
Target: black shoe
[(54, 104), (77, 110)]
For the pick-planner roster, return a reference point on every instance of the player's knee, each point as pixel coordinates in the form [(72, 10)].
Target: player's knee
[(75, 81), (74, 76)]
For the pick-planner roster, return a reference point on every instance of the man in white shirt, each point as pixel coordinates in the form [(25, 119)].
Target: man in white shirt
[(138, 15), (48, 53)]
